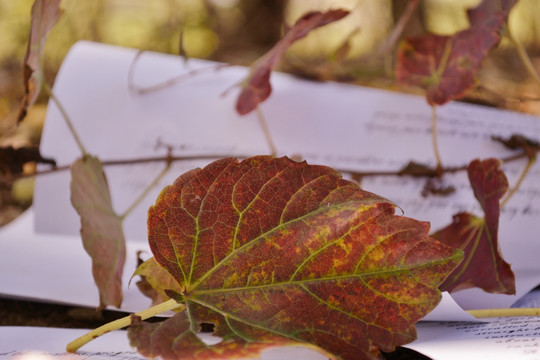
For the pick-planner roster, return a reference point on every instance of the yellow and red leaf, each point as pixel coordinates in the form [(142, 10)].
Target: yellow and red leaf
[(275, 253)]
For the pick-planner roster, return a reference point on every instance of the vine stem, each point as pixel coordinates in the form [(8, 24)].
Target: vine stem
[(121, 323), (266, 131), (66, 117), (173, 305), (118, 162), (525, 59), (532, 160), (508, 312), (434, 137), (170, 82)]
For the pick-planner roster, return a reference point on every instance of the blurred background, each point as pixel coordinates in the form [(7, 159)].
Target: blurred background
[(239, 31)]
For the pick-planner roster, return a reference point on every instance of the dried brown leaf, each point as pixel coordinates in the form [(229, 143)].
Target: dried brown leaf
[(45, 14)]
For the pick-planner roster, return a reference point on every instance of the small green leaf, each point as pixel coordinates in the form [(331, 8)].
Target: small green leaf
[(101, 228)]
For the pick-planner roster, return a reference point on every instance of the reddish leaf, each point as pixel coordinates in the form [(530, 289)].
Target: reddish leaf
[(256, 87), (483, 265), (446, 65), (45, 13), (176, 338), (101, 228), (275, 252)]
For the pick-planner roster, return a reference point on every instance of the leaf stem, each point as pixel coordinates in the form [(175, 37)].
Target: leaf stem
[(144, 160), (532, 160), (509, 312), (266, 131), (121, 323), (146, 190), (170, 82), (66, 117), (359, 174), (439, 167), (524, 57)]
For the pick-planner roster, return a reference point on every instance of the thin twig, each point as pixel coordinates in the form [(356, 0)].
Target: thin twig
[(146, 160), (167, 83), (443, 170), (266, 131), (525, 59), (146, 191), (121, 323), (67, 119), (391, 40), (434, 138), (507, 312), (532, 160)]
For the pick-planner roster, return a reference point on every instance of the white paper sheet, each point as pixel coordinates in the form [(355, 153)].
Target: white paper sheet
[(344, 126), (33, 343), (27, 343), (511, 338), (53, 267), (508, 338)]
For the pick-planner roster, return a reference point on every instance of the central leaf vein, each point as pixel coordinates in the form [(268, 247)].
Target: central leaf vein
[(333, 278)]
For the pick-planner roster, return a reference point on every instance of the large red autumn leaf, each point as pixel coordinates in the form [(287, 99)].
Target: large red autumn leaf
[(256, 87), (45, 13), (446, 65), (275, 252), (101, 228), (483, 265)]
